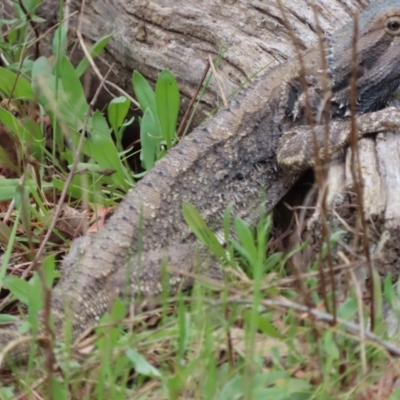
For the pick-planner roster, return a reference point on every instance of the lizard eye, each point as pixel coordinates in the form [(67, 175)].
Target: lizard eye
[(393, 26)]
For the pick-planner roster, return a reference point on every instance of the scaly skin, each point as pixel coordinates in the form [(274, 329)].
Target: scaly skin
[(248, 154)]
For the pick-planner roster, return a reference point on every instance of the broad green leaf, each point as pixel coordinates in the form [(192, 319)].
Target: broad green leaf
[(150, 138), (5, 233), (117, 111), (25, 68), (54, 99), (20, 288), (263, 324), (330, 345), (233, 389), (6, 161), (77, 189), (197, 224), (31, 5), (94, 51), (348, 309), (34, 139), (6, 318), (395, 395), (144, 93), (7, 254), (49, 270), (118, 311), (7, 393), (60, 41), (388, 290), (20, 90), (8, 188), (273, 261), (13, 124), (167, 101), (73, 88), (59, 389), (246, 238), (41, 66), (35, 300), (97, 125), (142, 366), (103, 149)]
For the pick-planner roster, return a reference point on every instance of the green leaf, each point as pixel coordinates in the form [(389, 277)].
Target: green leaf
[(52, 96), (49, 270), (18, 287), (41, 66), (23, 204), (13, 124), (118, 311), (263, 324), (60, 41), (197, 224), (378, 302), (167, 101), (233, 389), (34, 140), (6, 318), (150, 138), (25, 68), (330, 345), (348, 309), (6, 161), (103, 149), (388, 290), (7, 393), (76, 191), (117, 111), (227, 222), (73, 88), (144, 93), (20, 90), (5, 233), (141, 365), (395, 395), (8, 188), (60, 391), (246, 239), (273, 261), (31, 5), (94, 51)]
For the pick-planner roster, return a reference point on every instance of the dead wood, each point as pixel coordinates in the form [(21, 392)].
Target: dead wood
[(180, 35), (380, 169)]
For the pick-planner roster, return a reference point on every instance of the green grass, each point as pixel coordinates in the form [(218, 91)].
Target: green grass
[(244, 338)]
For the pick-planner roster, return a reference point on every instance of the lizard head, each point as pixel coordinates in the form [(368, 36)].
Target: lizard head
[(378, 59)]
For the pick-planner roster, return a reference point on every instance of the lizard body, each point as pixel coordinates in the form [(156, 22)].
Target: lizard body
[(249, 154)]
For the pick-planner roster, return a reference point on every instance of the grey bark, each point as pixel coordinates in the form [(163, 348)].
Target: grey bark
[(379, 159), (180, 35)]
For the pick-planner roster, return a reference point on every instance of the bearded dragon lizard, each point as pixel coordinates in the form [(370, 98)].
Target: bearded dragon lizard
[(249, 154)]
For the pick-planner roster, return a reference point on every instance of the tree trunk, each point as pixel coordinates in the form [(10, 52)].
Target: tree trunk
[(180, 35)]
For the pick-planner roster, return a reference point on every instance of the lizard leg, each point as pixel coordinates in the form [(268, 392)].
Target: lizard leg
[(296, 147)]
